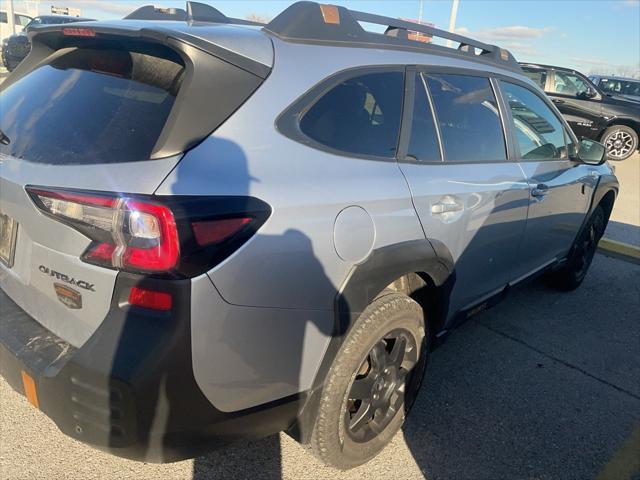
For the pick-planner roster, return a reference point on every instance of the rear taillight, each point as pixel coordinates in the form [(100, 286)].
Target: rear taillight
[(177, 235)]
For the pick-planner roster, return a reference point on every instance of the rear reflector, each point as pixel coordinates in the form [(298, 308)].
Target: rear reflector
[(141, 297), (30, 390), (214, 231), (78, 32)]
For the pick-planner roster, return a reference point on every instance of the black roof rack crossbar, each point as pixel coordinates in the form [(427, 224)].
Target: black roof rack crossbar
[(195, 12), (395, 23), (311, 22)]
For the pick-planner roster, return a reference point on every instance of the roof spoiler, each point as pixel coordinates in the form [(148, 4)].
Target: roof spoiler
[(194, 12), (313, 22)]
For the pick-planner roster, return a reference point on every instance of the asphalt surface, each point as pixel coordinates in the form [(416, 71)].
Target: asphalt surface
[(545, 385), (624, 225)]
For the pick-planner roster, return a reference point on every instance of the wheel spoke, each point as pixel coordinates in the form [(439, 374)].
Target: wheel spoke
[(363, 415), (397, 353), (361, 388), (377, 356)]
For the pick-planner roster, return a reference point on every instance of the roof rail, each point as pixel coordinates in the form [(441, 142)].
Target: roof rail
[(311, 22), (194, 12)]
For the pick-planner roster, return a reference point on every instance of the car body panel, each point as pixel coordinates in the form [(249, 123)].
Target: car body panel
[(554, 219)]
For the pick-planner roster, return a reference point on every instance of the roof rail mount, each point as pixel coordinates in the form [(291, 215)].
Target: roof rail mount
[(194, 12), (311, 22)]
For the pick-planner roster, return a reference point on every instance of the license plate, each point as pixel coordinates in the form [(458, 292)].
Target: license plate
[(8, 231)]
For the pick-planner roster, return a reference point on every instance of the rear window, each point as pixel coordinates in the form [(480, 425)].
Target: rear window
[(360, 115), (90, 106)]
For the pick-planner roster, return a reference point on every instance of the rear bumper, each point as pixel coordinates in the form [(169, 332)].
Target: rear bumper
[(130, 388)]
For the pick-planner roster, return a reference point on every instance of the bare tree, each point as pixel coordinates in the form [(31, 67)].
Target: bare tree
[(255, 17)]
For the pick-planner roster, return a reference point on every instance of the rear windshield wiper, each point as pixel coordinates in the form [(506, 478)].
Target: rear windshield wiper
[(4, 140)]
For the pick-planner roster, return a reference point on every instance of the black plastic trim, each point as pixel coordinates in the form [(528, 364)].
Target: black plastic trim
[(303, 22)]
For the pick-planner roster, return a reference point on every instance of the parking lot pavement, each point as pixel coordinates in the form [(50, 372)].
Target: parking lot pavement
[(625, 218), (544, 385)]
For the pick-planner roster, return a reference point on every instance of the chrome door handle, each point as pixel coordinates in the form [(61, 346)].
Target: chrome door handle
[(557, 100), (445, 207), (540, 190)]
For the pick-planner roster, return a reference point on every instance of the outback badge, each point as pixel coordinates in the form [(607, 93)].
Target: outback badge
[(68, 296)]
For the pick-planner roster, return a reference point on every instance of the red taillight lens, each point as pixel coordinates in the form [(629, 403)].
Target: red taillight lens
[(144, 298), (180, 236), (215, 231), (129, 234)]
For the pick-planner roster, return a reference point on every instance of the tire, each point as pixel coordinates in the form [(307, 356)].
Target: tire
[(342, 436), (620, 141), (572, 274)]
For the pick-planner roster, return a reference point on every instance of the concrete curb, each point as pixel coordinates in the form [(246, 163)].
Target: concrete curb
[(621, 250)]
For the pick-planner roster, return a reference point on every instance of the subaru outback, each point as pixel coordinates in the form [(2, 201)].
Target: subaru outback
[(265, 228)]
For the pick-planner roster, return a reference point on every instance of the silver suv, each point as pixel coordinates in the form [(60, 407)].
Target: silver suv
[(214, 230)]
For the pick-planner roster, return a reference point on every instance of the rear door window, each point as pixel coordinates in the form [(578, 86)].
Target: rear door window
[(539, 132), (360, 115), (468, 117), (423, 144), (538, 76), (90, 106), (569, 84)]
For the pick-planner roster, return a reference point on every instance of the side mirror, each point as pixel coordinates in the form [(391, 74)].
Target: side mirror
[(592, 152), (588, 93)]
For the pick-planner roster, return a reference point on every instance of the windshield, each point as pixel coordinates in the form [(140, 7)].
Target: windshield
[(620, 87)]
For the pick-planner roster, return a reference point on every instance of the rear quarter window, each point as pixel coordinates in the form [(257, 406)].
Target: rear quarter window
[(90, 106), (360, 115)]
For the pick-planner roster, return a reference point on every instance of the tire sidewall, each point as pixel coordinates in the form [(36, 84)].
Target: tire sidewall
[(597, 218)]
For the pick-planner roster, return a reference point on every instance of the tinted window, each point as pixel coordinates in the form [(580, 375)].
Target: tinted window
[(540, 133), (360, 115), (467, 113), (538, 76), (424, 140), (569, 84), (3, 17), (90, 106), (621, 87)]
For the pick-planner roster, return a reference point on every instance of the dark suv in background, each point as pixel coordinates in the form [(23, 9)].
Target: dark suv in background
[(626, 87), (592, 113), (16, 47)]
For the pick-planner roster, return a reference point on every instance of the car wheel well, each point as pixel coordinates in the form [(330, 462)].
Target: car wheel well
[(607, 203), (431, 298)]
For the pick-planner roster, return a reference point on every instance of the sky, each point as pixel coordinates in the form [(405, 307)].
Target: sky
[(592, 36)]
